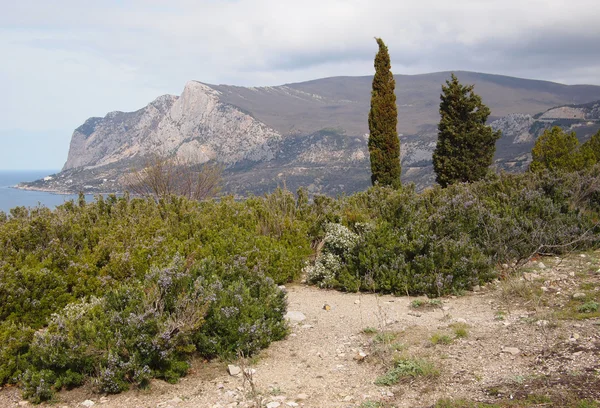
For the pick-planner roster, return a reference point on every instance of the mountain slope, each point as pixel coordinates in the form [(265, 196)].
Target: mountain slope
[(311, 133)]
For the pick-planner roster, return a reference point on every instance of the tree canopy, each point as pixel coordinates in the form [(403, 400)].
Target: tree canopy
[(384, 145), (557, 150), (466, 146)]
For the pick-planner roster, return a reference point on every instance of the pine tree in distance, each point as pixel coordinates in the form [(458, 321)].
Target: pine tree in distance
[(466, 146), (384, 145)]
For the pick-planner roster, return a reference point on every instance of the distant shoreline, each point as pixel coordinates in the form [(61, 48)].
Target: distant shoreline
[(43, 190)]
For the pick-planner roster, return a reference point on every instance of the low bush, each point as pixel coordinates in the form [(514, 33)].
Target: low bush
[(85, 293), (445, 241)]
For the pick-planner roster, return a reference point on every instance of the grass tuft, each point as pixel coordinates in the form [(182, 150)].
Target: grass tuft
[(406, 368)]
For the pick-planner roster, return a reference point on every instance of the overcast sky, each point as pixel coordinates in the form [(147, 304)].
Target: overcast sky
[(63, 61)]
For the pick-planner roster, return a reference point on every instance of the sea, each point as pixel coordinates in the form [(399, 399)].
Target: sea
[(11, 197)]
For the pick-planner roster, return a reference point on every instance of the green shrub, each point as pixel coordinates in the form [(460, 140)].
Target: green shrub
[(245, 314), (14, 350), (588, 307)]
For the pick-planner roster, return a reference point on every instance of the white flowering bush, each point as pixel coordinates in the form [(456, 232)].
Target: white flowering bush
[(339, 241)]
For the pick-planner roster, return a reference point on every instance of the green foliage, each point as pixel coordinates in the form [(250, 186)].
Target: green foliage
[(588, 307), (121, 287), (466, 146), (460, 330), (246, 314), (556, 150), (417, 303), (447, 240), (14, 350), (406, 368), (384, 144), (592, 145), (440, 338), (120, 291)]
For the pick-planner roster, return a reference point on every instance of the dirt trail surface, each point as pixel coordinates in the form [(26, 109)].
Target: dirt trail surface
[(341, 343)]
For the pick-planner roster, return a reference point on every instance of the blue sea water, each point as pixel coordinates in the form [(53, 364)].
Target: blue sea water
[(11, 197)]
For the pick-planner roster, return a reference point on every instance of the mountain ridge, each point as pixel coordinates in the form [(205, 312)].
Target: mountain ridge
[(310, 133)]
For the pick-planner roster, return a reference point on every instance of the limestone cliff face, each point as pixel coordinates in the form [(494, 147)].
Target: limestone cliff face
[(195, 125), (117, 136)]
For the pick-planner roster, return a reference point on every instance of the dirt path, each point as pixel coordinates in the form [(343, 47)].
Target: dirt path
[(511, 337)]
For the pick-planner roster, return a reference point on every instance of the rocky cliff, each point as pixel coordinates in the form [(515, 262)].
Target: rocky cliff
[(311, 134)]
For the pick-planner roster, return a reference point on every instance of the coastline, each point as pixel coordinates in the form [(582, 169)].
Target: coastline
[(43, 190), (62, 192)]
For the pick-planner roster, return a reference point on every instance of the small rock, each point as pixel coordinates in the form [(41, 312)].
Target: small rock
[(103, 400), (357, 302), (234, 370), (511, 350), (294, 316), (574, 337), (307, 326), (389, 394), (579, 295), (360, 356), (348, 398), (220, 386), (23, 403), (250, 371), (583, 255), (282, 288), (326, 307), (461, 320), (301, 397), (541, 265), (530, 277), (445, 308), (578, 353), (476, 288), (273, 404), (415, 314), (542, 322), (291, 404), (88, 403), (505, 266)]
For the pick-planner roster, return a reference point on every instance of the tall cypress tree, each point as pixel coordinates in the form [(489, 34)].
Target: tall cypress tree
[(465, 146), (384, 145)]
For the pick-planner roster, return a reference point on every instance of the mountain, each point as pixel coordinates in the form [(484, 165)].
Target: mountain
[(311, 134)]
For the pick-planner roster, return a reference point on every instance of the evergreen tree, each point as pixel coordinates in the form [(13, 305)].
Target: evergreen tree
[(384, 145), (593, 146), (557, 150), (465, 147)]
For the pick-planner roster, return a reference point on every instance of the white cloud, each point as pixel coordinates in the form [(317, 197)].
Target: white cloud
[(66, 60)]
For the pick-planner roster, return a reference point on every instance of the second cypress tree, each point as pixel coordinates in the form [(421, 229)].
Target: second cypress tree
[(384, 145), (465, 146)]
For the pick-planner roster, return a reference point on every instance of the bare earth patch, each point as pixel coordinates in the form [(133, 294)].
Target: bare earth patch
[(532, 339)]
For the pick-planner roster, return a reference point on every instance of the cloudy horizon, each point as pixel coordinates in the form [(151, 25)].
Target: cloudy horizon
[(69, 60)]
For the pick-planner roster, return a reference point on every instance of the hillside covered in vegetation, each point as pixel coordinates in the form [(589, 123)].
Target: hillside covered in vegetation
[(123, 290)]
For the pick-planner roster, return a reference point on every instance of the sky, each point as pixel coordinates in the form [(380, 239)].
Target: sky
[(63, 61)]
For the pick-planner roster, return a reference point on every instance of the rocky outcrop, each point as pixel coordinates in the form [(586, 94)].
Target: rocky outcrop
[(515, 127), (196, 126)]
